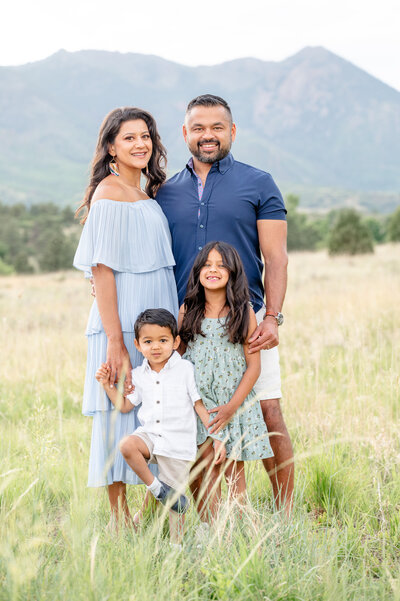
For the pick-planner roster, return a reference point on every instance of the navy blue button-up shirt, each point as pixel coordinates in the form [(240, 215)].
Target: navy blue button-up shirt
[(235, 197)]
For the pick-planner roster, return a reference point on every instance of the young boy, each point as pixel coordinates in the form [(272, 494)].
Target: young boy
[(166, 389)]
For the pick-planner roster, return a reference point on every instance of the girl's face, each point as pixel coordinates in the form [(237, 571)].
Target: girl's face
[(132, 145), (214, 275)]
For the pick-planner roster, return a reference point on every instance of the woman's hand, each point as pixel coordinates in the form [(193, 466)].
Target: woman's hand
[(118, 362), (223, 417)]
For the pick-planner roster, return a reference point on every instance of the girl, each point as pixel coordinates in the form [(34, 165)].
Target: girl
[(215, 322)]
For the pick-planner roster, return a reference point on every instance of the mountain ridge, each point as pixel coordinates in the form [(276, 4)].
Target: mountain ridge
[(314, 120)]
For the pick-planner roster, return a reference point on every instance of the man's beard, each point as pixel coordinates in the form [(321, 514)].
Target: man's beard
[(218, 155)]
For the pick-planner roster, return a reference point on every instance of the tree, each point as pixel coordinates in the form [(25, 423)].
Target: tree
[(350, 235), (394, 226), (56, 250), (302, 235)]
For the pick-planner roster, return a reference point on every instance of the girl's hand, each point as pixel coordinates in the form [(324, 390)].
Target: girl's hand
[(103, 374), (223, 417), (219, 451), (119, 364)]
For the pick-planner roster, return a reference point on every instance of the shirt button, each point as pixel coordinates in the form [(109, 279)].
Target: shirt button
[(201, 225), (157, 402), (157, 382), (157, 421), (200, 247), (202, 204)]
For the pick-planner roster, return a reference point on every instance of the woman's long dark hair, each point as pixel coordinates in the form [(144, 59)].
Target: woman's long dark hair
[(237, 296), (109, 129)]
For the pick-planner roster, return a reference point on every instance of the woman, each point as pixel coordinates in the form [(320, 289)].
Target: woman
[(126, 247)]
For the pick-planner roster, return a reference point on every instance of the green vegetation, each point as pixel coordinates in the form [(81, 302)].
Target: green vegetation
[(350, 235), (39, 238), (342, 231), (43, 237), (340, 369), (394, 226)]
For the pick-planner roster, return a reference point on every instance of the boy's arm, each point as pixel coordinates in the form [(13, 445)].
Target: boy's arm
[(249, 378), (116, 397)]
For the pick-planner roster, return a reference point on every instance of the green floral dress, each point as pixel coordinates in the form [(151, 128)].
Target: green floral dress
[(219, 367)]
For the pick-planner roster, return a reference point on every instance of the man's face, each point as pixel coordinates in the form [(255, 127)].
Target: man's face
[(209, 133)]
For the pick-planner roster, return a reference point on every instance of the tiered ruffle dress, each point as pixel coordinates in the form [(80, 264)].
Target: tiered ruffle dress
[(219, 367), (133, 239)]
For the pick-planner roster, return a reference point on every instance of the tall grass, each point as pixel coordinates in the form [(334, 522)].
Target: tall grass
[(341, 364)]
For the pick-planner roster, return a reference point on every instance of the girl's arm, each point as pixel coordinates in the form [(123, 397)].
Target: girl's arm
[(181, 314), (106, 296), (219, 447), (250, 377), (117, 399)]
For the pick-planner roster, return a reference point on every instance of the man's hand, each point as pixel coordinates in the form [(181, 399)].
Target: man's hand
[(265, 336), (223, 417), (219, 451)]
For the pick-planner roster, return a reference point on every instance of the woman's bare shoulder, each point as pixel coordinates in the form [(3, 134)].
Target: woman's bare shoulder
[(109, 188), (112, 189)]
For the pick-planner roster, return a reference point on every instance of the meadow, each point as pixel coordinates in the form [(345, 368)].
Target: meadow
[(341, 372)]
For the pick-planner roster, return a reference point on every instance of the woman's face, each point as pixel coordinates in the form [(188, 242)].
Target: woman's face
[(132, 145)]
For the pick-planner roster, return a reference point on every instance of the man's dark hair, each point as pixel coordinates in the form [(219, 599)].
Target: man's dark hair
[(158, 317), (209, 100)]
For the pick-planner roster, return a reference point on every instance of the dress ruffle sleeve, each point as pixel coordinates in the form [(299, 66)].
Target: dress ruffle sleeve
[(130, 237)]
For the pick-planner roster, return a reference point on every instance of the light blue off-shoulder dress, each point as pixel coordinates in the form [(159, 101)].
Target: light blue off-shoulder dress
[(133, 239)]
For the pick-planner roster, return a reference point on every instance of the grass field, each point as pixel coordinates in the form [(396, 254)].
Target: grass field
[(340, 354)]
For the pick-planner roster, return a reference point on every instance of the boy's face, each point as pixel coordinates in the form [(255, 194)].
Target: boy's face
[(157, 344)]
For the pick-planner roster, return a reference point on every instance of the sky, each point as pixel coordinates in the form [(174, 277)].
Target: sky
[(362, 31)]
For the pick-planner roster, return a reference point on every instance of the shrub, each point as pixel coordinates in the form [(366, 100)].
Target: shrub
[(350, 235), (394, 226)]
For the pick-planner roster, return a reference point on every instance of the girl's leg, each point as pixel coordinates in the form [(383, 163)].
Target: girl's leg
[(205, 483), (235, 479)]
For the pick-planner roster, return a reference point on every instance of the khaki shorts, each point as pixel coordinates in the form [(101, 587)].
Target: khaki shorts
[(268, 385), (174, 472)]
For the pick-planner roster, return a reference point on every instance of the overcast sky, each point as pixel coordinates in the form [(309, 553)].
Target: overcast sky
[(364, 32)]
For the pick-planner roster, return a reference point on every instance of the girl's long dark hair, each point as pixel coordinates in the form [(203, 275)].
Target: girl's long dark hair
[(237, 296), (109, 129)]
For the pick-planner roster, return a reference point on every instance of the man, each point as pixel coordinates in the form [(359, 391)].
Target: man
[(218, 198)]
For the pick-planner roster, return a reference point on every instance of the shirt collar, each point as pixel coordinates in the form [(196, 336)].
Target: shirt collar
[(172, 361), (223, 165)]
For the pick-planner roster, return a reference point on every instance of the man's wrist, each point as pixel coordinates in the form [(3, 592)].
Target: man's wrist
[(274, 315)]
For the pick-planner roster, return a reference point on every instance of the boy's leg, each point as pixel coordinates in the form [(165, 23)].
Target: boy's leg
[(136, 455), (176, 526)]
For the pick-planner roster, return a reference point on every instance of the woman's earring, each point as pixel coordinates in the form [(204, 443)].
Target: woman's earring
[(112, 165)]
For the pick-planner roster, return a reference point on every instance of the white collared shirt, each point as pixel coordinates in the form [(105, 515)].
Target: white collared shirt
[(167, 414)]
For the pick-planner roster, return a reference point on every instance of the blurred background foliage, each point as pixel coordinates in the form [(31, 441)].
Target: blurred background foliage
[(43, 237)]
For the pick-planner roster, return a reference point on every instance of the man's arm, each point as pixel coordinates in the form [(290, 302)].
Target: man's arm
[(272, 235)]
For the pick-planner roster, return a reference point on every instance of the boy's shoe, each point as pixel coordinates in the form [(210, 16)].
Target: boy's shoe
[(167, 493)]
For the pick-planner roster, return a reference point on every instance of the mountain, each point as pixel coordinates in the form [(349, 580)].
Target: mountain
[(320, 125)]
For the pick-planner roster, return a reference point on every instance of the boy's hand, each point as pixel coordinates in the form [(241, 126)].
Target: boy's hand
[(103, 374), (219, 451), (223, 417)]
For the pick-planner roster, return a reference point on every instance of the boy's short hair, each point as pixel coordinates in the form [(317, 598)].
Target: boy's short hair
[(158, 317)]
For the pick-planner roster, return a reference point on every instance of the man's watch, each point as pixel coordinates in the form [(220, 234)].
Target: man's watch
[(278, 316)]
